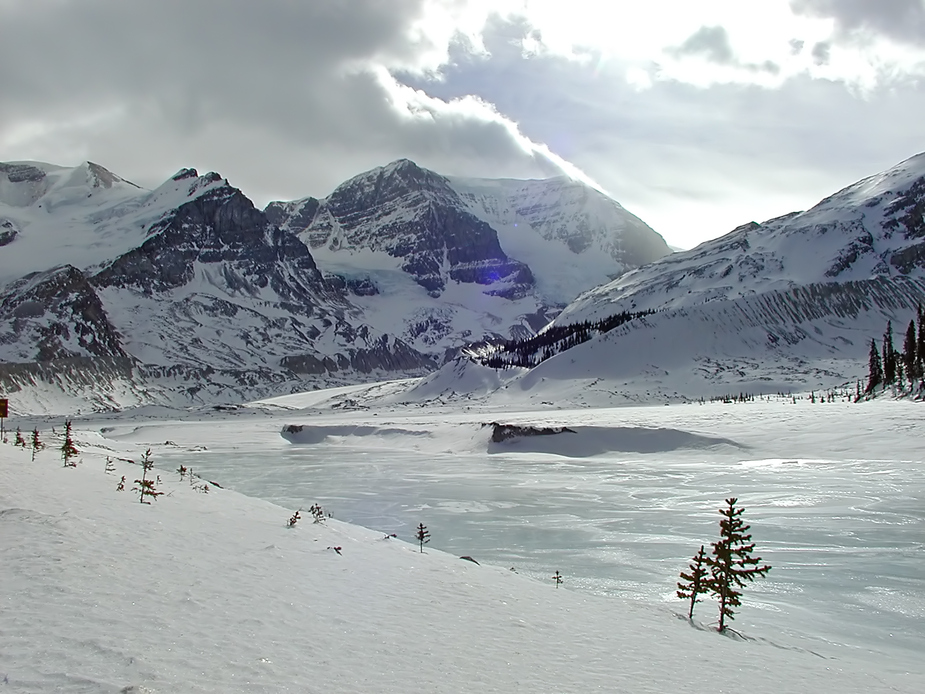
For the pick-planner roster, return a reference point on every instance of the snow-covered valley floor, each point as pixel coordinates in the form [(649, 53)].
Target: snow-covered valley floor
[(212, 592)]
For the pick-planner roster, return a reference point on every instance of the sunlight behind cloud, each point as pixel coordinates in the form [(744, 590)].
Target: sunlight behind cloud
[(415, 104), (765, 43)]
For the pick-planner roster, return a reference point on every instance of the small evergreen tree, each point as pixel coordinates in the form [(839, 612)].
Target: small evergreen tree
[(874, 368), (422, 536), (145, 487), (695, 581), (294, 518), (317, 513), (68, 450), (557, 577), (20, 441), (910, 353), (732, 563), (889, 356), (37, 444)]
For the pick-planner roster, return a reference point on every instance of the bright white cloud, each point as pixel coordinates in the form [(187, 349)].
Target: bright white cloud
[(640, 35)]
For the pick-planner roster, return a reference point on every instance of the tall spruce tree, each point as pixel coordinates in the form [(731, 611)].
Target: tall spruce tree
[(874, 368), (920, 343), (889, 356), (910, 353), (695, 582), (732, 564)]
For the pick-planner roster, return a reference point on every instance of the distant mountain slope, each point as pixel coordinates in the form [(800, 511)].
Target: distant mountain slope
[(570, 234), (466, 259), (872, 229), (788, 304), (188, 286), (469, 230), (189, 292)]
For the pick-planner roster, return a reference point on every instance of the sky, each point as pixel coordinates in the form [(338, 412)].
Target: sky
[(698, 117)]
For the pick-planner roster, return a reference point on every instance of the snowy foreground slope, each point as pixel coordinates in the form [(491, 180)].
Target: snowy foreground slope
[(210, 592)]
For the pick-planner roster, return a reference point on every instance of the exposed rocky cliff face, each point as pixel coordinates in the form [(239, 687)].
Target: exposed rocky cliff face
[(198, 280), (55, 315), (445, 262), (414, 215)]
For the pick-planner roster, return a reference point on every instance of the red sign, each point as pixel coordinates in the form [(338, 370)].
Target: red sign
[(4, 407)]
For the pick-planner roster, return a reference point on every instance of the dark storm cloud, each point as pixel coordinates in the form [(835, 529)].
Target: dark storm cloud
[(903, 20), (239, 86)]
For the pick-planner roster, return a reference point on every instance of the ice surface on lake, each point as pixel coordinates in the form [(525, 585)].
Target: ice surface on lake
[(835, 494)]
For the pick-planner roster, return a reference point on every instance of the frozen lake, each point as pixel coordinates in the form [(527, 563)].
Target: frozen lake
[(835, 494)]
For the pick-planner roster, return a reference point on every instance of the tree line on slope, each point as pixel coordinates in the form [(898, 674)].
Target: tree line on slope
[(553, 340), (887, 366)]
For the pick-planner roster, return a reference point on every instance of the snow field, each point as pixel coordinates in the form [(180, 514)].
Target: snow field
[(213, 593)]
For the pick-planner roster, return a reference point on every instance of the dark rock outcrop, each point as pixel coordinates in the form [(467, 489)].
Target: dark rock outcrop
[(60, 315), (413, 214), (220, 227)]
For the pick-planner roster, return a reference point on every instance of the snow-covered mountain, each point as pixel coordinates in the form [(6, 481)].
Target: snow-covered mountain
[(188, 291), (470, 259), (791, 303)]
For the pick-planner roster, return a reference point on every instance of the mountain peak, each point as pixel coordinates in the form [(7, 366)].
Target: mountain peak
[(183, 174)]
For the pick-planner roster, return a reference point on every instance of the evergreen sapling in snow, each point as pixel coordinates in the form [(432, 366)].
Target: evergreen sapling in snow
[(695, 582), (422, 536), (732, 563), (317, 513), (37, 445), (145, 487), (68, 450)]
